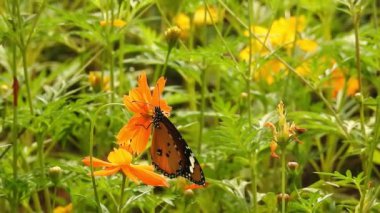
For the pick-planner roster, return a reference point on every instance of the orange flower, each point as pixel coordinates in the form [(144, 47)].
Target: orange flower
[(339, 82), (135, 134), (120, 159), (287, 131), (99, 82)]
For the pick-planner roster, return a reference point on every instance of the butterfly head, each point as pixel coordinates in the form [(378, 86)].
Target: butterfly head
[(157, 116)]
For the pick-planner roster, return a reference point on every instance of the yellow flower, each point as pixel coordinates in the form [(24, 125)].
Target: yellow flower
[(284, 31), (202, 16), (304, 69), (116, 23), (258, 31), (182, 21), (307, 45), (64, 209), (257, 48), (97, 82)]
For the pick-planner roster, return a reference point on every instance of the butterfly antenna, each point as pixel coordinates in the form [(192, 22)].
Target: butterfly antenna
[(159, 96), (140, 102)]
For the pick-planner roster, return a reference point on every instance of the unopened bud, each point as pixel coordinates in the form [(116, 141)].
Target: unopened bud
[(281, 196), (55, 174), (172, 34), (359, 97), (293, 165)]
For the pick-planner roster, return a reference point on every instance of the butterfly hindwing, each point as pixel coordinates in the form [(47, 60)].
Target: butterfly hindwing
[(170, 153)]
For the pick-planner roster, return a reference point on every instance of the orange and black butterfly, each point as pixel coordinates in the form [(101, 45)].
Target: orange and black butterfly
[(170, 153)]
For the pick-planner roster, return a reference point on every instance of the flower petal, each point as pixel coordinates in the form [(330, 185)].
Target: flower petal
[(106, 172), (120, 157), (128, 173), (135, 135), (273, 146), (156, 98), (147, 176), (96, 162)]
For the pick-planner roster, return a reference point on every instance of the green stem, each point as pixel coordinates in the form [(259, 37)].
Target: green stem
[(202, 110), (163, 70), (190, 86), (356, 22), (41, 161), (15, 129), (250, 61), (122, 192), (54, 196), (91, 151), (112, 74), (283, 179), (254, 181), (355, 13), (23, 49), (369, 164), (250, 71)]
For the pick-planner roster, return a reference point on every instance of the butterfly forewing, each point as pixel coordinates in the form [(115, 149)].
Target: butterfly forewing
[(171, 154), (166, 154)]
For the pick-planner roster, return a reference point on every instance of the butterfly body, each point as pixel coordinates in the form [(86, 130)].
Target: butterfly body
[(170, 153)]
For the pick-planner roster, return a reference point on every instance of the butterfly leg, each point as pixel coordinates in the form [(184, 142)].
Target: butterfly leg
[(146, 127)]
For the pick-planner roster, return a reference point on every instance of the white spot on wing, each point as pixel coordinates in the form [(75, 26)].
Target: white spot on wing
[(192, 162)]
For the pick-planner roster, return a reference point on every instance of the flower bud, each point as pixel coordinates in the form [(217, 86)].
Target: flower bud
[(281, 196), (172, 34), (293, 165), (243, 95), (188, 193), (359, 97), (55, 174)]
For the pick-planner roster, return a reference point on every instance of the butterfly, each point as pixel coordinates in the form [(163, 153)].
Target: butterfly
[(170, 153)]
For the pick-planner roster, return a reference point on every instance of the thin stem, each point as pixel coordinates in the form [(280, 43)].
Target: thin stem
[(41, 161), (112, 74), (202, 110), (355, 13), (163, 70), (23, 49), (356, 21), (283, 179), (203, 87), (15, 128), (250, 71), (54, 196), (254, 181), (122, 192), (250, 61), (91, 151)]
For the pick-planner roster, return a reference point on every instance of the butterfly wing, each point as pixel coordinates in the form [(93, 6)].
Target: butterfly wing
[(171, 155)]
